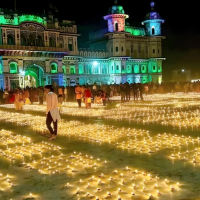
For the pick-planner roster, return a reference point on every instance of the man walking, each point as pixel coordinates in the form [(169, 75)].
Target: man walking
[(52, 111), (78, 91)]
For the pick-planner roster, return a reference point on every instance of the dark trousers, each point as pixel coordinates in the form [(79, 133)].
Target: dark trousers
[(122, 97), (128, 96), (104, 102), (135, 95), (141, 96), (49, 120), (41, 100), (79, 103)]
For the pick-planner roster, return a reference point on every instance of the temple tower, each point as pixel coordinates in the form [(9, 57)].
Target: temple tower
[(116, 18), (153, 22)]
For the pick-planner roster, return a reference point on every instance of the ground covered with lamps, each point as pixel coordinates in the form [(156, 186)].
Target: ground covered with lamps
[(136, 150)]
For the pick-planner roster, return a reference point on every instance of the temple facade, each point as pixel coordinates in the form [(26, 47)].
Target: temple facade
[(39, 50)]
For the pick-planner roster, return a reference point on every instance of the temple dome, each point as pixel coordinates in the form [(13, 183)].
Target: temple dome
[(153, 14), (116, 9)]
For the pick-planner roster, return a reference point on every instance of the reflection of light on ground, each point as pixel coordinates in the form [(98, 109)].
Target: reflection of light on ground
[(47, 158), (81, 175), (182, 110)]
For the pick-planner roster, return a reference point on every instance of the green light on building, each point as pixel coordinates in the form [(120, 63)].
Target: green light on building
[(20, 19), (54, 68), (8, 21), (64, 69), (144, 69), (13, 68), (136, 69), (135, 31), (81, 70), (1, 69), (31, 18)]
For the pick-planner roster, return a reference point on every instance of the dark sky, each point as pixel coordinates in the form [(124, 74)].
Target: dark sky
[(176, 13), (182, 29)]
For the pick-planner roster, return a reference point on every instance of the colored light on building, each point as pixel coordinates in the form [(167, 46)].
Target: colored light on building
[(134, 31), (95, 63), (8, 21), (54, 68), (31, 18), (17, 20), (136, 69), (13, 68), (22, 73)]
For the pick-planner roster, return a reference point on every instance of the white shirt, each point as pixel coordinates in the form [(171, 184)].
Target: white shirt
[(52, 106)]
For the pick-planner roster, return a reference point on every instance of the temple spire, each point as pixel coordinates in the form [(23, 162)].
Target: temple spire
[(152, 4)]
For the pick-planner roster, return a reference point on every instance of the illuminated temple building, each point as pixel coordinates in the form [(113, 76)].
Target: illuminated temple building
[(39, 50)]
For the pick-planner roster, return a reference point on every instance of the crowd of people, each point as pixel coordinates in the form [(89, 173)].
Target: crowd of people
[(98, 94), (55, 95)]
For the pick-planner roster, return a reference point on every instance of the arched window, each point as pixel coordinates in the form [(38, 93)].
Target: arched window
[(123, 69), (64, 69), (116, 26), (116, 49), (96, 69), (13, 68), (40, 41), (153, 31), (23, 40), (52, 42), (154, 51), (10, 40), (54, 68), (81, 69), (72, 71), (31, 28), (122, 49), (31, 40), (104, 69), (61, 44), (89, 69), (154, 68), (117, 67)]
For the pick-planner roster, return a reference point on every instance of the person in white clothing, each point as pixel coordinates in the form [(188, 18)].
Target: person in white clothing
[(52, 111)]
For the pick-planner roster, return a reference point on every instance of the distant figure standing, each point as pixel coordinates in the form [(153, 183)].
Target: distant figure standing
[(41, 95), (103, 96), (140, 86), (78, 91), (87, 95), (65, 94), (52, 111)]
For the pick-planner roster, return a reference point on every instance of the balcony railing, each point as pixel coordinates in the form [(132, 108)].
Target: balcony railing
[(33, 48)]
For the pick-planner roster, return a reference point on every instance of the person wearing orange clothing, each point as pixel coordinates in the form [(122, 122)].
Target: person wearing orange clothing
[(87, 95), (78, 91)]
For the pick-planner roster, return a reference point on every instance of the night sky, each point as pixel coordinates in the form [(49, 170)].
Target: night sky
[(182, 30)]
